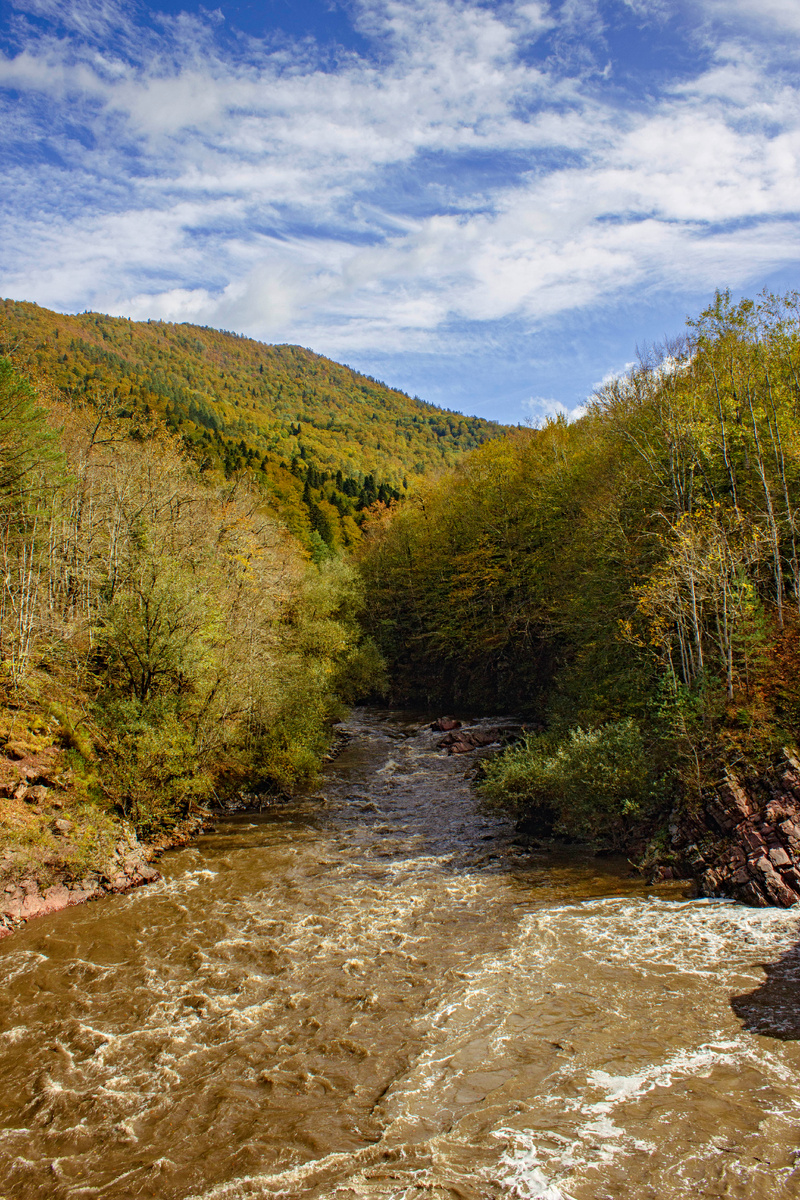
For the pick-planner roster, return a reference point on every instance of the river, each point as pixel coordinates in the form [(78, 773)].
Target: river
[(373, 992)]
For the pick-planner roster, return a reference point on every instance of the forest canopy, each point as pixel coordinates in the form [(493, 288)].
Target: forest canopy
[(159, 622), (629, 583)]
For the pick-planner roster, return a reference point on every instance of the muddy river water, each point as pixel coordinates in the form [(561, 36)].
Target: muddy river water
[(374, 993)]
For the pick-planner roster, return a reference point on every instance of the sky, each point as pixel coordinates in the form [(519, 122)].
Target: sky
[(493, 206)]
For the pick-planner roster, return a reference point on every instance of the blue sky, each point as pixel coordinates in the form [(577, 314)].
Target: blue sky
[(490, 205)]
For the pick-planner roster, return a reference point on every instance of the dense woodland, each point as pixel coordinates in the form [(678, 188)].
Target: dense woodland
[(177, 617), (629, 582), (320, 442)]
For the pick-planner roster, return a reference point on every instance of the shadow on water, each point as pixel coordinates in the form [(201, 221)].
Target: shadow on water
[(773, 1009)]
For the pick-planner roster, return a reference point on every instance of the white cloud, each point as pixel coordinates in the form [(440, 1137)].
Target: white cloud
[(612, 375), (447, 179), (542, 407), (86, 17), (778, 16)]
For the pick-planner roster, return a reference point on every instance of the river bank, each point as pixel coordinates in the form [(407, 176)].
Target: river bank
[(742, 842), (130, 866), (57, 849)]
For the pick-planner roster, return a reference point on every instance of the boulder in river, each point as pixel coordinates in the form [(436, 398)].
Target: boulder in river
[(462, 741), (445, 724)]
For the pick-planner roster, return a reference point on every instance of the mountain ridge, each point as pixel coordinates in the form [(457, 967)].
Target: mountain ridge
[(323, 441)]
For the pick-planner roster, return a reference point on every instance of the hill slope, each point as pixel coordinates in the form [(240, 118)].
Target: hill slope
[(323, 441)]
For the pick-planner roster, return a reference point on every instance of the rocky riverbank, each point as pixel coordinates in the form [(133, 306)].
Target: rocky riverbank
[(743, 841), (460, 739), (36, 893), (31, 896), (59, 849)]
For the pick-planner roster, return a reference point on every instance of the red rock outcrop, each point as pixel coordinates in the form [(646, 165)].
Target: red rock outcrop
[(129, 867), (27, 898), (745, 840)]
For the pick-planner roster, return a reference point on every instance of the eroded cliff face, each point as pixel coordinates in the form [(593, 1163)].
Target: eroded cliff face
[(744, 840)]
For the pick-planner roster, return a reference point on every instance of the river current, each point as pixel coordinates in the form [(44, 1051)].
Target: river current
[(374, 992)]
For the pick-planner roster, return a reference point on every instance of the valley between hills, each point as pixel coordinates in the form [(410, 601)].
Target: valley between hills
[(181, 618), (212, 548)]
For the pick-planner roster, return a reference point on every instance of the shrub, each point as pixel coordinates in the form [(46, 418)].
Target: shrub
[(361, 673), (589, 783), (152, 773), (288, 744)]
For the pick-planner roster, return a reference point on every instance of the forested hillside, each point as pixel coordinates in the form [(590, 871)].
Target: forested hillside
[(321, 442), (631, 581), (165, 641), (628, 583), (177, 621)]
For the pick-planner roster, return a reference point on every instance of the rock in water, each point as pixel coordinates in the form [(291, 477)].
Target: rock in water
[(445, 724)]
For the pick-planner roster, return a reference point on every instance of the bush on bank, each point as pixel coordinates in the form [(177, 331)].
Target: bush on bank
[(589, 784)]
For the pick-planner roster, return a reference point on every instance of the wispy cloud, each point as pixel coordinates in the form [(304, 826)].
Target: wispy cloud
[(540, 408), (777, 17), (480, 165)]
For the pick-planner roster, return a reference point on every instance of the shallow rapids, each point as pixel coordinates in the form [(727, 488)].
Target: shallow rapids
[(375, 993)]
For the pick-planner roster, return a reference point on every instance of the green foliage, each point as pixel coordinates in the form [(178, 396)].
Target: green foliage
[(326, 663), (29, 470), (152, 771), (320, 550), (27, 444), (642, 563), (69, 734), (207, 647), (286, 752), (157, 633), (592, 783), (361, 673)]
